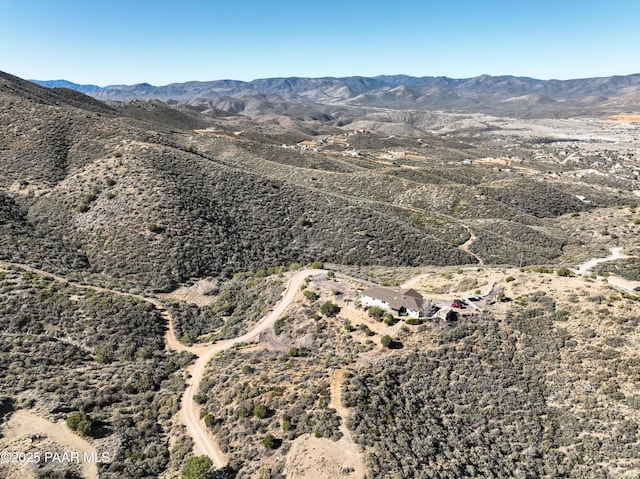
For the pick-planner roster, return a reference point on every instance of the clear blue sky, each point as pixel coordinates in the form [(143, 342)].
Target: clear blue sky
[(107, 42)]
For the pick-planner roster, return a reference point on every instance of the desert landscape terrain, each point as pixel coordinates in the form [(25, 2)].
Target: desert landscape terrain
[(183, 284)]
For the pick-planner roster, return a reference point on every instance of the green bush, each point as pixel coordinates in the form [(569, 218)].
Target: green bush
[(564, 272), (260, 411), (197, 468), (329, 309), (269, 442), (143, 353), (389, 320), (82, 207), (542, 269), (376, 312), (385, 340), (310, 295), (286, 422), (81, 423)]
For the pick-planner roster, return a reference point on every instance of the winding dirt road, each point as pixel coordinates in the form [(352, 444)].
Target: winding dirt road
[(616, 253), (466, 247), (204, 442)]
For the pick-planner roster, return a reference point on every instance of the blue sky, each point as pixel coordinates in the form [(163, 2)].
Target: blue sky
[(108, 42)]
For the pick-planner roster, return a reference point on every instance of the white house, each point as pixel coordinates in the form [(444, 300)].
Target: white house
[(404, 302)]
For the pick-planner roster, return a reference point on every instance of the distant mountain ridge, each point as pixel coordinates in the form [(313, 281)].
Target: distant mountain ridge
[(72, 86), (485, 93)]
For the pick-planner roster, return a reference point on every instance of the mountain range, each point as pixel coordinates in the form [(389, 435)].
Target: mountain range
[(501, 95)]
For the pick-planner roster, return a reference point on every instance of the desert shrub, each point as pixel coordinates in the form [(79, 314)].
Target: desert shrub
[(389, 319), (269, 442), (329, 309), (376, 312), (286, 422), (197, 468), (310, 295), (81, 423), (564, 272), (260, 411)]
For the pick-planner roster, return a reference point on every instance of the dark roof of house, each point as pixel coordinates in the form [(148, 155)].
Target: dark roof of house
[(410, 292), (409, 298)]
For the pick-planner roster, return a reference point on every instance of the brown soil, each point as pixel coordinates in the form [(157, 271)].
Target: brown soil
[(23, 426), (625, 118), (191, 294)]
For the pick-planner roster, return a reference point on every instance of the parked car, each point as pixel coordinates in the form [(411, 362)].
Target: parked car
[(457, 304)]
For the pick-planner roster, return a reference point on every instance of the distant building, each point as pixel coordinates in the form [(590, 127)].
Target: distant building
[(406, 302), (619, 282)]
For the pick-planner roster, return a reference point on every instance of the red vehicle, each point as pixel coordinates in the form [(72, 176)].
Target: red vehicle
[(457, 304)]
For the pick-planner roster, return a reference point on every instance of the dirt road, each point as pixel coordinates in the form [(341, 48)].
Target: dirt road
[(466, 247), (204, 442), (312, 457), (24, 423), (616, 253), (171, 340)]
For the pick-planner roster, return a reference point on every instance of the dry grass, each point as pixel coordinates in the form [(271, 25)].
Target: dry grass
[(625, 118)]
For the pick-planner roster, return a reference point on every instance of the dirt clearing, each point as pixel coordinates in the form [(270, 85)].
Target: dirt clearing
[(29, 434), (625, 118), (312, 457)]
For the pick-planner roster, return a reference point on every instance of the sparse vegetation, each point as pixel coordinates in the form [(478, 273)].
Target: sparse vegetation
[(131, 398), (453, 428), (127, 196)]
